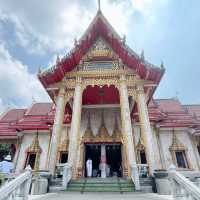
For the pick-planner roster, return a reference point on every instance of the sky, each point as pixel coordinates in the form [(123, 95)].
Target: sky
[(33, 33)]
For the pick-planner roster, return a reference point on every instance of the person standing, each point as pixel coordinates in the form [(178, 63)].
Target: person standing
[(89, 167), (6, 168)]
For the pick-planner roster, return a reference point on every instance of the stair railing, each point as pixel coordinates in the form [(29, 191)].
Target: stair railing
[(135, 176), (18, 188), (182, 188), (67, 174)]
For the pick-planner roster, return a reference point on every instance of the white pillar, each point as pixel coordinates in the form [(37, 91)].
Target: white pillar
[(146, 128), (57, 128), (127, 128), (103, 161), (75, 124)]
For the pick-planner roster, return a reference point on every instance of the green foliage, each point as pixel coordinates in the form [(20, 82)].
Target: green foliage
[(4, 150)]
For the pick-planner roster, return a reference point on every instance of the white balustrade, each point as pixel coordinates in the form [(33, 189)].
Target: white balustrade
[(143, 170), (66, 172), (18, 188), (135, 177), (182, 188)]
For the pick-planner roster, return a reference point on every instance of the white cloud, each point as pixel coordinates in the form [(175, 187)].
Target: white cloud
[(41, 26), (18, 87)]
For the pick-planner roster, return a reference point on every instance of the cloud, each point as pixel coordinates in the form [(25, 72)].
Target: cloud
[(41, 26), (18, 87)]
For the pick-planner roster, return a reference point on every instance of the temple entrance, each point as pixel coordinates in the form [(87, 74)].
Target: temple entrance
[(111, 160), (114, 159), (93, 152)]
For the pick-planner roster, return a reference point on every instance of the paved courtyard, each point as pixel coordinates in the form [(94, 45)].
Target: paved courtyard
[(100, 196)]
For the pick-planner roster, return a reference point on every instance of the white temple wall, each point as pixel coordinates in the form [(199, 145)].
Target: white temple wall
[(184, 138), (26, 142), (136, 132), (44, 143)]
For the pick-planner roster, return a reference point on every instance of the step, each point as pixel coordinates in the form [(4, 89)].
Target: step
[(101, 185)]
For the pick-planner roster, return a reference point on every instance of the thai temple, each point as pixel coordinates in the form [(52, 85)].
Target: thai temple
[(103, 109)]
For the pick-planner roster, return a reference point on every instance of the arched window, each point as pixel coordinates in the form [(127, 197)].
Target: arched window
[(33, 154), (141, 154), (179, 153)]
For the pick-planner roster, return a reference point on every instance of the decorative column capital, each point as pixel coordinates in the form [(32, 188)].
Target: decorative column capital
[(122, 78), (78, 80), (140, 89), (68, 95), (61, 91), (131, 92)]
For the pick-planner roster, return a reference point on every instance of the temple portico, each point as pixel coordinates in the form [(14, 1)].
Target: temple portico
[(78, 87)]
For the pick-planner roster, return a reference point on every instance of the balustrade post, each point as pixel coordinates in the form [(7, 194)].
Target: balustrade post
[(23, 189)]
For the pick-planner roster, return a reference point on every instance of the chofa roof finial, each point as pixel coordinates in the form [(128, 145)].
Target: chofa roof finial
[(142, 55), (162, 65), (99, 5)]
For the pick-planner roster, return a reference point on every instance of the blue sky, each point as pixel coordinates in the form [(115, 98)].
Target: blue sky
[(33, 33)]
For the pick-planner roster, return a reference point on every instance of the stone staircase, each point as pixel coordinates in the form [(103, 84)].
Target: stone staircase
[(101, 185), (119, 185)]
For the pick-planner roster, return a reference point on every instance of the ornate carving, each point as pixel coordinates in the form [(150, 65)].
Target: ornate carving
[(35, 148), (88, 135), (117, 137), (100, 49), (176, 144)]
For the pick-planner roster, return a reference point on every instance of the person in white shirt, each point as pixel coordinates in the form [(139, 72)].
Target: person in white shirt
[(6, 168), (89, 167)]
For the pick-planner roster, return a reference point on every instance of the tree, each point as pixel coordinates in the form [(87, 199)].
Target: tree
[(4, 150)]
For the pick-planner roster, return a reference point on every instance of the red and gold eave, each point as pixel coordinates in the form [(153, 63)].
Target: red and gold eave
[(101, 27)]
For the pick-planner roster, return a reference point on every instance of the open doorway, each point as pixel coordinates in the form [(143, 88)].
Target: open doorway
[(114, 159), (93, 152)]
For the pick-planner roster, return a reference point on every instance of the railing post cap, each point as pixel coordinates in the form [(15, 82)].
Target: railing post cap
[(28, 168), (172, 167)]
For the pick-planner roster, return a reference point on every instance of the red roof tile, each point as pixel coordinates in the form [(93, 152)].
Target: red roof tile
[(39, 109), (169, 105), (13, 114)]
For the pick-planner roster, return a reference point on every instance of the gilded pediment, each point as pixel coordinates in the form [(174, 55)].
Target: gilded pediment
[(100, 56)]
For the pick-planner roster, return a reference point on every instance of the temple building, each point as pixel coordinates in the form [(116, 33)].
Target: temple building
[(103, 109)]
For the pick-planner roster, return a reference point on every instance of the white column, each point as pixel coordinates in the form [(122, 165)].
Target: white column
[(103, 161), (57, 128), (146, 128), (75, 124), (127, 128)]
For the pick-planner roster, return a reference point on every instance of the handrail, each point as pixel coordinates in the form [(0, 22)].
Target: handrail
[(66, 173), (182, 187), (143, 169), (22, 182), (135, 176)]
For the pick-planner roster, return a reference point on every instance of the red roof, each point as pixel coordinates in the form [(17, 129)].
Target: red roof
[(101, 27), (40, 116), (12, 115), (6, 131), (194, 110), (39, 109)]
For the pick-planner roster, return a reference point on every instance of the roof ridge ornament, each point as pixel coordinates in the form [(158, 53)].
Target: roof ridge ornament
[(142, 55), (162, 65), (99, 5)]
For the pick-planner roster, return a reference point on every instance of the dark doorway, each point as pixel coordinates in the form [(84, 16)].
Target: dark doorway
[(94, 152), (114, 159), (30, 160), (63, 157)]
